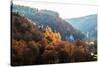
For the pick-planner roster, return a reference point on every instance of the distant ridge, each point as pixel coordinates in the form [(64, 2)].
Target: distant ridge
[(86, 24)]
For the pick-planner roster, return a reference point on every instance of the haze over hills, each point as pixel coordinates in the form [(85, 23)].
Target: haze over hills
[(86, 24), (43, 37), (49, 18), (33, 45)]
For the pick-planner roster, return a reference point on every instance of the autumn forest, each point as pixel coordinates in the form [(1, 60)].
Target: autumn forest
[(38, 40)]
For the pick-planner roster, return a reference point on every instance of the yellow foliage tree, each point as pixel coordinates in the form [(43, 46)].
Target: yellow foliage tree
[(54, 36)]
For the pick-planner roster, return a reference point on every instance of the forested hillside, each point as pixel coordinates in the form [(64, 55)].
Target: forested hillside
[(35, 44), (49, 18)]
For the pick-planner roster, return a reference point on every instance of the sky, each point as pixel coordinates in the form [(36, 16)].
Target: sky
[(65, 10)]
